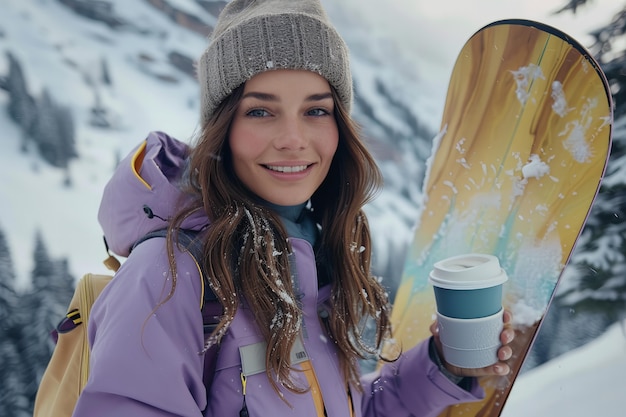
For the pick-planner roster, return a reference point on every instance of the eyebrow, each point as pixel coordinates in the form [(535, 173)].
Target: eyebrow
[(273, 97)]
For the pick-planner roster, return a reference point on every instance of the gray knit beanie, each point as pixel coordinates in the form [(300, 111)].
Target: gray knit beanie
[(253, 36)]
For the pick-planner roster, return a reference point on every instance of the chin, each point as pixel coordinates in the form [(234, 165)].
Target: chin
[(287, 200)]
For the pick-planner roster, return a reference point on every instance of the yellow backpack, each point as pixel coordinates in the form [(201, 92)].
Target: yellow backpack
[(68, 370)]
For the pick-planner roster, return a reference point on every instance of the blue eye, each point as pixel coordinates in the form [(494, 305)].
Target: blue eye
[(257, 113), (318, 112)]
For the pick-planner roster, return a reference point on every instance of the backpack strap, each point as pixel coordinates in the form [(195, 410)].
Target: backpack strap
[(212, 309), (189, 240)]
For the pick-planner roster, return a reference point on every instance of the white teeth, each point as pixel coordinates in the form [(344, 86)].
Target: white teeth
[(291, 169)]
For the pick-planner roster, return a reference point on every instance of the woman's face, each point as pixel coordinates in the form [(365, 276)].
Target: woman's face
[(283, 136)]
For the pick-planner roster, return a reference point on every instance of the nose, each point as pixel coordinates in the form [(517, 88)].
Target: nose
[(292, 134)]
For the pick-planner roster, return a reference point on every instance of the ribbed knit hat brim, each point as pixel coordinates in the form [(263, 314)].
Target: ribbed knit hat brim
[(256, 36)]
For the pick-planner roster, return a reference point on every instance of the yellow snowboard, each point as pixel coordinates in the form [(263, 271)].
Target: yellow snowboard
[(515, 168)]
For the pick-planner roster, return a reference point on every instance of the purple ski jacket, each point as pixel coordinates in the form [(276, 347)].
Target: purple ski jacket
[(147, 361)]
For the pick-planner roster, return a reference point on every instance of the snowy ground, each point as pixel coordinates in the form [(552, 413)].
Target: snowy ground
[(585, 382)]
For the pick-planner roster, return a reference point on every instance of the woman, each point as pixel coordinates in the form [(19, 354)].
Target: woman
[(275, 186)]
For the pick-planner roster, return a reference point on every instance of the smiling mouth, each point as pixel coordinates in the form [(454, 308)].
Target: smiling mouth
[(287, 169)]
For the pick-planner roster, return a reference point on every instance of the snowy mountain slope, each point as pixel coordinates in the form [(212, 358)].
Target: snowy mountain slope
[(398, 98), (584, 382), (64, 53), (61, 52)]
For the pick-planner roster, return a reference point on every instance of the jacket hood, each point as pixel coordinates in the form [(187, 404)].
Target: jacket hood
[(144, 193)]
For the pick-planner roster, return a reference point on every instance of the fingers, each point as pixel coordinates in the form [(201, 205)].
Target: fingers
[(507, 316), (505, 352), (507, 336), (434, 328), (500, 368)]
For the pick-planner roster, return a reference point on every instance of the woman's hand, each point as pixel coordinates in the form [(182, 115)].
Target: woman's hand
[(504, 353)]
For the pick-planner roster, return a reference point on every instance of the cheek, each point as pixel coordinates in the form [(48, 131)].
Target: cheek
[(242, 144), (330, 146)]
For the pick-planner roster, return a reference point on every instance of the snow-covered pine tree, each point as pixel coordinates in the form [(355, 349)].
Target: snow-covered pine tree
[(596, 281), (54, 131), (13, 403), (42, 307), (592, 291), (8, 297), (21, 107), (105, 77)]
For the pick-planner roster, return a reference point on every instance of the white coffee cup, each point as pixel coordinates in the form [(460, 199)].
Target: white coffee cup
[(468, 293)]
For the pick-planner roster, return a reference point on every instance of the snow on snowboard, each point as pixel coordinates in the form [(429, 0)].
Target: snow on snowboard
[(522, 149)]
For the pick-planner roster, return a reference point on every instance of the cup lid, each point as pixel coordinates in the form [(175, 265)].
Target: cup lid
[(468, 272)]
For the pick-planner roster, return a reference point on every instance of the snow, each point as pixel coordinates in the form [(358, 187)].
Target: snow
[(535, 168), (584, 382), (576, 144), (38, 201), (524, 77), (419, 41), (191, 7), (560, 101)]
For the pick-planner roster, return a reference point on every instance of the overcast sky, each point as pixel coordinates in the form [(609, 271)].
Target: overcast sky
[(439, 28)]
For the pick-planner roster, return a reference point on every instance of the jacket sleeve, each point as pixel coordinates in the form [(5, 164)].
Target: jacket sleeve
[(413, 386), (145, 356)]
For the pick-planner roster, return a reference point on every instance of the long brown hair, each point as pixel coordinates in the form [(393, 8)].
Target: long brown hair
[(246, 247)]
